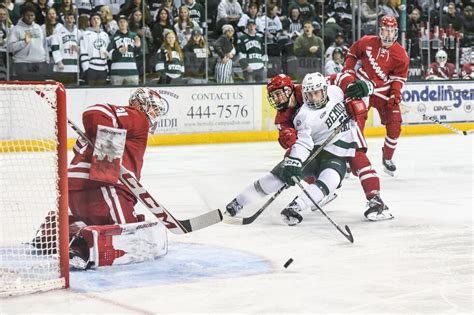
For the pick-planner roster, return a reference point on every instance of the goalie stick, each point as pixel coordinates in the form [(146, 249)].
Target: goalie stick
[(432, 118), (248, 220), (171, 223)]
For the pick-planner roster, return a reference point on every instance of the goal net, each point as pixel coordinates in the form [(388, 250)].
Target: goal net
[(33, 188)]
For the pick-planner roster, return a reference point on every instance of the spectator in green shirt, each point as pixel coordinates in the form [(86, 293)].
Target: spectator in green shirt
[(308, 44)]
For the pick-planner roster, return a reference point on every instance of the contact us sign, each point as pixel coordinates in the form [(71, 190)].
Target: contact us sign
[(209, 109), (188, 109)]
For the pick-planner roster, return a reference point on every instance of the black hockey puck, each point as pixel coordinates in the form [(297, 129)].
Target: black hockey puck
[(288, 263)]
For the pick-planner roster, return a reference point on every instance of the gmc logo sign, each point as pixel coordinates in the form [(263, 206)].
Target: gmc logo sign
[(442, 108)]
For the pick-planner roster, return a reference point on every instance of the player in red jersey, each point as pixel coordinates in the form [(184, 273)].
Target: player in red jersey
[(384, 62), (441, 69), (89, 199), (286, 98), (96, 197)]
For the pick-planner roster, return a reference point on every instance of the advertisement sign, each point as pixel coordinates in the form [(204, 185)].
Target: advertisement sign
[(446, 101), (208, 109), (189, 109)]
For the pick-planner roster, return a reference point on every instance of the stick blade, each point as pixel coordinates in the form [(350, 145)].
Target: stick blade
[(233, 220), (205, 220), (349, 234)]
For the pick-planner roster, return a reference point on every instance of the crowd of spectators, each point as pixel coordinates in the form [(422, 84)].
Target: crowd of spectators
[(119, 42)]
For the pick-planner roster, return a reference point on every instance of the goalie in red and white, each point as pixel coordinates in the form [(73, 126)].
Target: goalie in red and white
[(106, 228), (383, 62)]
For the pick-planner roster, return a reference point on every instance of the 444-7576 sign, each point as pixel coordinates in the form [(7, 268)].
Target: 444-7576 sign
[(209, 109)]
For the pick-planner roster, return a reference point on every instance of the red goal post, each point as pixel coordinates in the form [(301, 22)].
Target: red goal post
[(33, 188)]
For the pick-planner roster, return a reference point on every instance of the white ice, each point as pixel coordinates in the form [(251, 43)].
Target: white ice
[(420, 262)]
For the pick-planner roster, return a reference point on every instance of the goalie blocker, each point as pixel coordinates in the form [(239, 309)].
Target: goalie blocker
[(121, 244)]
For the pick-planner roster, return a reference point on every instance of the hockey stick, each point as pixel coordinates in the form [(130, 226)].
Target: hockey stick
[(171, 223), (432, 118), (250, 219), (445, 125), (247, 220), (347, 235)]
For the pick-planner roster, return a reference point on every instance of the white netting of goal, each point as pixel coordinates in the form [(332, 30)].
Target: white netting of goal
[(29, 259)]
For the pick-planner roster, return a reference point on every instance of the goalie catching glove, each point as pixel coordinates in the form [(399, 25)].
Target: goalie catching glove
[(291, 167), (359, 89)]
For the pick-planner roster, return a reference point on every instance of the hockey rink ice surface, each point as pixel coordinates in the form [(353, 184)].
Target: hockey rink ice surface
[(419, 263)]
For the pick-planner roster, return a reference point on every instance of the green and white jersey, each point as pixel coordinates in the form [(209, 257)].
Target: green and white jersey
[(65, 48), (94, 50), (251, 50), (123, 64), (314, 126), (173, 68)]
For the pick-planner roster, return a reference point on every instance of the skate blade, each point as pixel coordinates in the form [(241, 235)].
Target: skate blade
[(389, 172), (374, 216), (290, 221)]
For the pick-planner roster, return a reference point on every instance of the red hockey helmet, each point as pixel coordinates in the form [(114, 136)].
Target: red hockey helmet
[(280, 89), (388, 31)]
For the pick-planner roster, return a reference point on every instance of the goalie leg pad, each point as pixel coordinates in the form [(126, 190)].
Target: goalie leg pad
[(126, 243)]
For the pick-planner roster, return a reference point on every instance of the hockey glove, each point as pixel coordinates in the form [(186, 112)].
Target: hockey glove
[(291, 167), (359, 89), (394, 101), (356, 108), (287, 137)]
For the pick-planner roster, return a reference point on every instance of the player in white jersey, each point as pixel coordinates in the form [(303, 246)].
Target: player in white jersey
[(322, 112)]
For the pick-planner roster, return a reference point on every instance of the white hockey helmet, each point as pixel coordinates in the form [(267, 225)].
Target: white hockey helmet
[(150, 103), (441, 57), (314, 82)]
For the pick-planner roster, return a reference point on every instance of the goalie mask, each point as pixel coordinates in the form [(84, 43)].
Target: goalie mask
[(150, 103), (314, 89), (280, 89), (441, 57), (388, 32)]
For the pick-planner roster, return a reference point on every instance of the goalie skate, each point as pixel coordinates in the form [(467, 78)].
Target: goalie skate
[(77, 262), (377, 210), (290, 214), (325, 201)]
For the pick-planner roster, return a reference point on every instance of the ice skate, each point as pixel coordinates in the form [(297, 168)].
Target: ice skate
[(389, 167), (377, 210), (290, 214), (78, 254), (77, 260), (324, 201), (233, 208)]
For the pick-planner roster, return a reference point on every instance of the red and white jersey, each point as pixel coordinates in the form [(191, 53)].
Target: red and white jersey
[(467, 71), (387, 68), (284, 118), (130, 119), (436, 72)]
